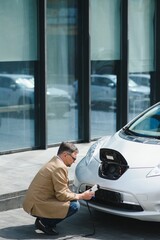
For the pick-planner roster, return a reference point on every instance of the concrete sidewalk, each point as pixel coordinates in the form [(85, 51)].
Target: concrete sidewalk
[(18, 170), (16, 224)]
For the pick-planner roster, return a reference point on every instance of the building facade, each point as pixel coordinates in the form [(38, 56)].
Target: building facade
[(75, 70)]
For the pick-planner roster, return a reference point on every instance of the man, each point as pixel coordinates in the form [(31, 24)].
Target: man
[(49, 198)]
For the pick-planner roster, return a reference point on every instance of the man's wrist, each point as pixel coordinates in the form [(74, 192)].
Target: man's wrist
[(79, 196)]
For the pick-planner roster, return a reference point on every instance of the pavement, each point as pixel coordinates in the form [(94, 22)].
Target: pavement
[(16, 224)]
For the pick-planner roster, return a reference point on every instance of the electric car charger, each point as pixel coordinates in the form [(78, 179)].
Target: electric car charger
[(94, 188)]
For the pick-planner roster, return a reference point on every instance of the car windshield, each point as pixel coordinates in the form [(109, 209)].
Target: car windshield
[(148, 125)]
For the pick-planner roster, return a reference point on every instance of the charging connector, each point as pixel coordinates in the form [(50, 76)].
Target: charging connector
[(94, 188)]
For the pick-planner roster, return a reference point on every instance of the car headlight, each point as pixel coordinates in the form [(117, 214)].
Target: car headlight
[(96, 146), (90, 153), (154, 172)]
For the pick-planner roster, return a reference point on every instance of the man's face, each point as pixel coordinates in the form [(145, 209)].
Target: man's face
[(70, 158)]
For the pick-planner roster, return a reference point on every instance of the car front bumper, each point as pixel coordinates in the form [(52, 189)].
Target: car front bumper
[(133, 195)]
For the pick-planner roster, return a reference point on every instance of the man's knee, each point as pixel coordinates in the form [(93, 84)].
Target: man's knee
[(73, 208), (75, 205)]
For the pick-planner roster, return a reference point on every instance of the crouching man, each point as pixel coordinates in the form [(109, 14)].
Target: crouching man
[(48, 197)]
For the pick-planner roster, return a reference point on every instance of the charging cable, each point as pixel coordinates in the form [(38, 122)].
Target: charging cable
[(92, 220), (94, 188), (84, 235)]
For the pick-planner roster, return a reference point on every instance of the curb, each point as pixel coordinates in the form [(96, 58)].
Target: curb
[(14, 200), (11, 200)]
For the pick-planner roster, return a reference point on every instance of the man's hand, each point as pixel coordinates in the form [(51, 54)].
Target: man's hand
[(87, 195)]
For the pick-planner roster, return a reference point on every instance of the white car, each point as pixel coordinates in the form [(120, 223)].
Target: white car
[(126, 166), (104, 92), (17, 94), (141, 79)]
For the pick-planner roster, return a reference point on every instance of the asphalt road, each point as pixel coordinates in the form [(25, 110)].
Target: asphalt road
[(16, 224)]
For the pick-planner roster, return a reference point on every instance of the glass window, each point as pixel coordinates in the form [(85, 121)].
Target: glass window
[(62, 110), (141, 53), (105, 59), (18, 47)]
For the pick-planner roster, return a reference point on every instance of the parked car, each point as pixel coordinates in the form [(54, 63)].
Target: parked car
[(58, 101), (104, 88), (140, 79), (127, 168), (17, 95), (103, 91)]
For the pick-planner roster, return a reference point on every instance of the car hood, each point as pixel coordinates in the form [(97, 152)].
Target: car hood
[(136, 154)]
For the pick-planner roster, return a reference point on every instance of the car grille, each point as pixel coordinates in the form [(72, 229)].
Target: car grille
[(113, 200)]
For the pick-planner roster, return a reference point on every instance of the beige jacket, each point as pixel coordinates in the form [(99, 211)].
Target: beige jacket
[(48, 194)]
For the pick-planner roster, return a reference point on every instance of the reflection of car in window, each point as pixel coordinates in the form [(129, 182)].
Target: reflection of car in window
[(103, 91), (104, 88), (58, 101), (140, 79), (17, 95)]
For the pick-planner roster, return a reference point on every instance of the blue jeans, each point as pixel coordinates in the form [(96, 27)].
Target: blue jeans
[(73, 208)]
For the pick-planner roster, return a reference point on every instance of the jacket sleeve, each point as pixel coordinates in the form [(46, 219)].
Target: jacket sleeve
[(60, 183)]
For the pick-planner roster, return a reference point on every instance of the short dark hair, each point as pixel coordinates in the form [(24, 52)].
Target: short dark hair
[(68, 147)]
